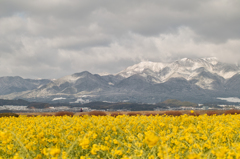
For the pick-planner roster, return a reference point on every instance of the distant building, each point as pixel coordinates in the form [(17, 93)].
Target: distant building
[(205, 107)]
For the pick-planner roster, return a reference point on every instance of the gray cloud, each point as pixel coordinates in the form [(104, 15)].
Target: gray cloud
[(50, 39)]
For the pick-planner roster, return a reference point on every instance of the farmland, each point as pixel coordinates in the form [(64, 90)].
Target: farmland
[(121, 136)]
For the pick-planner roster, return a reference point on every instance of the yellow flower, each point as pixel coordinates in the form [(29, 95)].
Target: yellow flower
[(4, 135), (140, 136), (70, 137), (84, 143), (194, 156), (95, 149), (107, 138), (151, 157), (138, 144), (121, 137), (55, 151), (45, 152), (131, 138), (126, 157), (95, 136), (118, 152), (138, 153), (115, 141), (38, 156), (16, 156), (104, 148), (151, 139), (64, 155), (10, 147)]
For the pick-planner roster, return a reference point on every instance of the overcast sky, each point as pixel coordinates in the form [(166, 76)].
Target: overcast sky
[(54, 38)]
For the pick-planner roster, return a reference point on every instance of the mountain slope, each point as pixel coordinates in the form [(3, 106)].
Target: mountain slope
[(77, 83), (232, 86), (11, 84)]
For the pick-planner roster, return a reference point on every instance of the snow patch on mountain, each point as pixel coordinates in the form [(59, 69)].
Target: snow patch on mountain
[(211, 60), (104, 74), (205, 83), (69, 78), (59, 98), (227, 75), (231, 99), (81, 100), (139, 68)]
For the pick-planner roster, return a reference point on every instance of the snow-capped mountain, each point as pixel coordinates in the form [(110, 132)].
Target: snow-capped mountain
[(205, 70), (185, 68), (197, 80)]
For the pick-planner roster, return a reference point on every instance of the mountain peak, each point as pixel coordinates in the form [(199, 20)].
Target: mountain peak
[(72, 78), (104, 74), (212, 60), (81, 74), (140, 67), (185, 59)]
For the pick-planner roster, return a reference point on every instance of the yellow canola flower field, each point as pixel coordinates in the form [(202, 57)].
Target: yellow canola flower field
[(121, 137)]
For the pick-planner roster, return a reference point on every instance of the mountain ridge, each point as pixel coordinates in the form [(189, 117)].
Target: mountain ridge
[(195, 80)]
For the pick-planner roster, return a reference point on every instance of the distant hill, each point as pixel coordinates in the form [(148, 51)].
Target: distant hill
[(115, 106), (177, 103), (18, 102), (35, 105)]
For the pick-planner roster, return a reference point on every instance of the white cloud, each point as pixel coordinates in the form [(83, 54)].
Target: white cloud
[(164, 47), (50, 39)]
